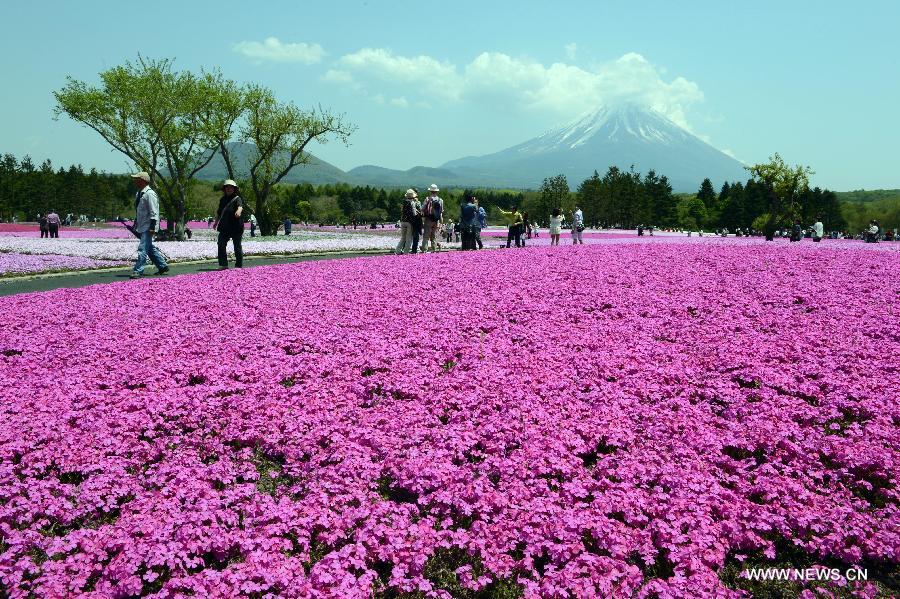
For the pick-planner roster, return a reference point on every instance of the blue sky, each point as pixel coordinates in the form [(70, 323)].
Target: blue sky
[(428, 82)]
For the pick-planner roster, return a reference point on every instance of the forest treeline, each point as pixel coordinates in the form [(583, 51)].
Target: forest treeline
[(618, 198)]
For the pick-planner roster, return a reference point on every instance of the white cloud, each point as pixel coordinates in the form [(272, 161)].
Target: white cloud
[(272, 49), (400, 102), (558, 90), (571, 50), (423, 74)]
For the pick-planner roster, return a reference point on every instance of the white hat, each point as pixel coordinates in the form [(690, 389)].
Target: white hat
[(141, 175), (411, 193), (433, 187), (229, 182)]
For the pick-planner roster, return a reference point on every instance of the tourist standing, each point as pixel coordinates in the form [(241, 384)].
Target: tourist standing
[(42, 225), (416, 221), (480, 221), (406, 222), (514, 218), (53, 223), (432, 212), (287, 225), (871, 234), (230, 225), (818, 230), (146, 218), (577, 226), (556, 218), (468, 217), (796, 233), (253, 225)]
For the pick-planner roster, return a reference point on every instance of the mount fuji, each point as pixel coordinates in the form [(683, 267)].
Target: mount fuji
[(624, 136)]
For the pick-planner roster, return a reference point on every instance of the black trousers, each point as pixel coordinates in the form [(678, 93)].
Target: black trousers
[(477, 233), (416, 233), (514, 233), (54, 231), (235, 237), (45, 233)]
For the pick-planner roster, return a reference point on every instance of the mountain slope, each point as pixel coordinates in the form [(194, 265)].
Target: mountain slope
[(317, 172), (623, 137)]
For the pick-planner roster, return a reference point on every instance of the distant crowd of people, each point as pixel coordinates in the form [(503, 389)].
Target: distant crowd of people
[(422, 220)]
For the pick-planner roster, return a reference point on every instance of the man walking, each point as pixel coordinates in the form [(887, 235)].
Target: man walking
[(146, 217), (230, 225), (432, 211), (53, 223)]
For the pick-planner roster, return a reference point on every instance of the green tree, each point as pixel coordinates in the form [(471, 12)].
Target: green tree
[(154, 115), (554, 194), (279, 133), (783, 184), (691, 213), (707, 195)]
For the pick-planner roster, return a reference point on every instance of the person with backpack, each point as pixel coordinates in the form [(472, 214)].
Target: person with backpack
[(432, 213), (230, 225), (407, 214)]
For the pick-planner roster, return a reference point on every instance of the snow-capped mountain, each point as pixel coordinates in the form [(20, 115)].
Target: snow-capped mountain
[(624, 136)]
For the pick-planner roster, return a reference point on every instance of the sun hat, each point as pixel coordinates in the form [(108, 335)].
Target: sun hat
[(411, 193), (433, 187), (142, 176), (229, 182)]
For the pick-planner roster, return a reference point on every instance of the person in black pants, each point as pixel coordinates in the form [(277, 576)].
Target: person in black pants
[(416, 222), (42, 224), (229, 224)]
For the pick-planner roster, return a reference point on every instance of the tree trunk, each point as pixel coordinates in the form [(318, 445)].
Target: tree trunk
[(265, 220), (177, 228)]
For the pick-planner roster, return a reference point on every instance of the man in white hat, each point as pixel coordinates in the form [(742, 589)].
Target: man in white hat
[(432, 213), (229, 224), (146, 218), (407, 216)]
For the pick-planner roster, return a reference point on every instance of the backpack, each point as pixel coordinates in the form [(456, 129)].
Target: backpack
[(408, 212), (428, 208)]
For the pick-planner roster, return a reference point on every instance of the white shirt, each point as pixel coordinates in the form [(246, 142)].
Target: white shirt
[(577, 218), (818, 229)]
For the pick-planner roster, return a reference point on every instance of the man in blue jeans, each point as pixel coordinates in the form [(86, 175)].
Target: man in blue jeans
[(146, 217)]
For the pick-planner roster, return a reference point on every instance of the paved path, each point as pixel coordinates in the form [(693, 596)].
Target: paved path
[(38, 282)]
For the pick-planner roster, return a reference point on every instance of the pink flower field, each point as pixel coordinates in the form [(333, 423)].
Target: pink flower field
[(608, 420)]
